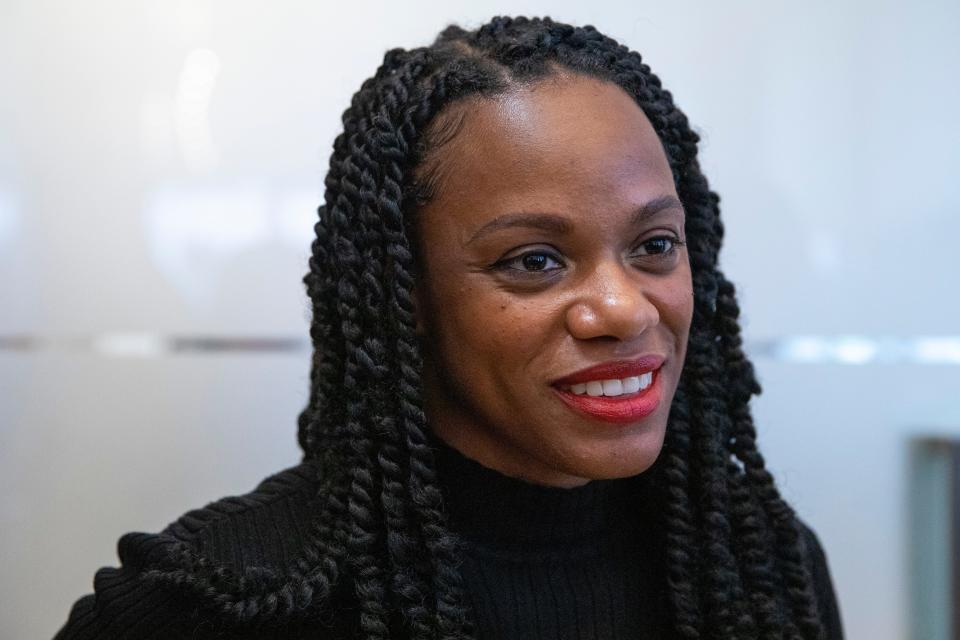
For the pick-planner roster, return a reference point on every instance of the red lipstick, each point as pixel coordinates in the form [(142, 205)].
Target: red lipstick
[(622, 409), (613, 369)]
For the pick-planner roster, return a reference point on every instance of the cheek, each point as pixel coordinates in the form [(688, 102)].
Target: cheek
[(675, 303), (492, 326)]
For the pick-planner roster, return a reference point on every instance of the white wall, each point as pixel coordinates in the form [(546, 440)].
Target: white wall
[(160, 162)]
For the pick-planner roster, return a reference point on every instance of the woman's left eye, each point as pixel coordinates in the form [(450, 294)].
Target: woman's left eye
[(659, 246)]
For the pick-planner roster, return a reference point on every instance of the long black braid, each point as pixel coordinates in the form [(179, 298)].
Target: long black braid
[(733, 554)]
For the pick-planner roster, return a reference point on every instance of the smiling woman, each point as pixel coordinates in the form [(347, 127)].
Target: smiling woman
[(529, 412), (554, 228)]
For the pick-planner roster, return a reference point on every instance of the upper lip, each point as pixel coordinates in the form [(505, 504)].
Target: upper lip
[(614, 369)]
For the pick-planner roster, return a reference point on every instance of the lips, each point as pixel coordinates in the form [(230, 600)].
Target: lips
[(614, 369), (620, 409)]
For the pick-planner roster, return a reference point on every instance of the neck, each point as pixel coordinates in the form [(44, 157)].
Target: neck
[(483, 503)]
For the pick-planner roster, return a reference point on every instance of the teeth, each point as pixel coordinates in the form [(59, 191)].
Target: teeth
[(646, 379), (613, 387)]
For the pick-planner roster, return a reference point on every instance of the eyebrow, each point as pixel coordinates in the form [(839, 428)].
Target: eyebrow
[(560, 225)]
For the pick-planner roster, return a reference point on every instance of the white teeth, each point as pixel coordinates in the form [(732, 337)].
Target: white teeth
[(613, 387), (631, 384), (594, 388), (646, 379)]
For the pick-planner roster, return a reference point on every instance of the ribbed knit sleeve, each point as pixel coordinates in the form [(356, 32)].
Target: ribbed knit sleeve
[(265, 529), (124, 604)]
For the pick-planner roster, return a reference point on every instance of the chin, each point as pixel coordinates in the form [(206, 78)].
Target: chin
[(621, 460)]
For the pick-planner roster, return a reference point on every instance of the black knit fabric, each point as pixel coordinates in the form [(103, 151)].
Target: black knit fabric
[(546, 563), (538, 563)]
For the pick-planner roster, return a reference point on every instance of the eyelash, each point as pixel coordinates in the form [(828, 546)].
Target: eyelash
[(506, 264)]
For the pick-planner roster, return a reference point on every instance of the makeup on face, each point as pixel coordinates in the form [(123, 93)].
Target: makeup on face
[(558, 296), (618, 392)]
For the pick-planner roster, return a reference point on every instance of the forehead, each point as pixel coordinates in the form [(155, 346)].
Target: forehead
[(567, 142)]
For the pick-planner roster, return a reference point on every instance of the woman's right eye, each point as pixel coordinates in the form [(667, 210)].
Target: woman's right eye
[(532, 262)]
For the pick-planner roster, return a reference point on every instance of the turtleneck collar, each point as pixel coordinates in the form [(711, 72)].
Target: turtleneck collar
[(485, 505)]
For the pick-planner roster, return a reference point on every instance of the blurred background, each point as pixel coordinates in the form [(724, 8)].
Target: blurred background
[(160, 168)]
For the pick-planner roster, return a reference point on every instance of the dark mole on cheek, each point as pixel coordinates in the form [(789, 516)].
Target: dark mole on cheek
[(503, 307)]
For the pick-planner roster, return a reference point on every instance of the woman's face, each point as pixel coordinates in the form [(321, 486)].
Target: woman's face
[(554, 284)]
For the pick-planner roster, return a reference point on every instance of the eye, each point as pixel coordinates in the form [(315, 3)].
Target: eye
[(658, 246), (532, 262)]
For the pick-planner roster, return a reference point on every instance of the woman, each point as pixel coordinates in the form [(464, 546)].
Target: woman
[(529, 405)]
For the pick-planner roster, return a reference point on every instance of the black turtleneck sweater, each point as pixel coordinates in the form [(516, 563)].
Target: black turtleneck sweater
[(546, 563), (539, 563)]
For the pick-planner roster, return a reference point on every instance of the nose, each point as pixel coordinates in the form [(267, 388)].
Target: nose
[(611, 303)]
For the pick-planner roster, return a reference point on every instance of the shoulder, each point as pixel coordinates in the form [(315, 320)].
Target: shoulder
[(816, 560), (265, 528), (262, 532)]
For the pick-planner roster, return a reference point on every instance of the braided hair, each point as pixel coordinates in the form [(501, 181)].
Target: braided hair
[(734, 556)]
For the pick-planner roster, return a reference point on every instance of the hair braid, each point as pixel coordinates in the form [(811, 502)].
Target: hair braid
[(728, 614), (424, 490), (327, 363), (798, 581), (380, 140), (409, 580), (754, 547), (355, 292), (683, 563)]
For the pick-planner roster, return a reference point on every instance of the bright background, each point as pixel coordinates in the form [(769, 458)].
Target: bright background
[(160, 163)]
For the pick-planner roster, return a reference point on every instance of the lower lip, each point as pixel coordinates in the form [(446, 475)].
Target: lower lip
[(617, 409)]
